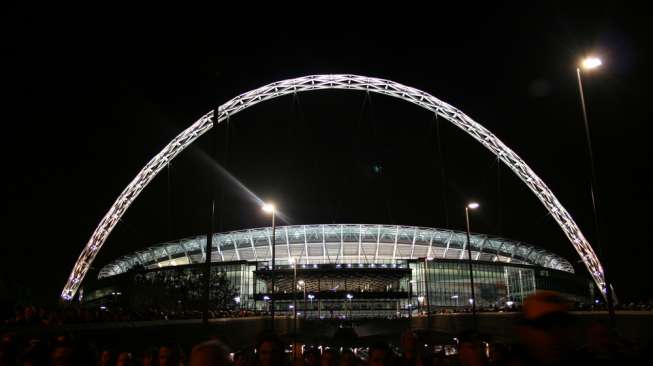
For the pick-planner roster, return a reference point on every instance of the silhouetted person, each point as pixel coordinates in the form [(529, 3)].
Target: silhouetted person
[(410, 355), (311, 357), (150, 357), (470, 351), (64, 354), (8, 351), (380, 355), (548, 334), (168, 355), (124, 359), (329, 357), (269, 351), (105, 358), (211, 353), (348, 358), (499, 354), (240, 359), (36, 354)]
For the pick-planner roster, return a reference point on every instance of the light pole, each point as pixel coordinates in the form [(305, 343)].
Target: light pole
[(237, 301), (350, 296), (271, 209), (294, 293), (471, 206), (590, 63), (410, 298), (311, 297), (456, 298), (428, 295), (266, 300), (303, 285)]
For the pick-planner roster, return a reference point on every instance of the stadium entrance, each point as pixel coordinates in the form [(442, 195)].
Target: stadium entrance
[(330, 291)]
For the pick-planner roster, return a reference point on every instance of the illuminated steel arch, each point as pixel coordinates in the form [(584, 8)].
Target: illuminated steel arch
[(319, 82)]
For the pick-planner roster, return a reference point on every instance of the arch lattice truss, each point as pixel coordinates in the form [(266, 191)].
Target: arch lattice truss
[(347, 82)]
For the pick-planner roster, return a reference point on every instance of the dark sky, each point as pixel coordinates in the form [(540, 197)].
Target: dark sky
[(89, 98)]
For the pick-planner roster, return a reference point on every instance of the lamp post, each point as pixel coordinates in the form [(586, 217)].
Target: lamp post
[(294, 292), (471, 206), (237, 301), (303, 285), (590, 63), (410, 298), (311, 297), (428, 296), (266, 300), (350, 296), (271, 209)]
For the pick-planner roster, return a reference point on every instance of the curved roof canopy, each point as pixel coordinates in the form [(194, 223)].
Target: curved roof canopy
[(338, 243)]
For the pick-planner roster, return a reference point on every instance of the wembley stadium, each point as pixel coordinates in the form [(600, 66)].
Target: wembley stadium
[(335, 269)]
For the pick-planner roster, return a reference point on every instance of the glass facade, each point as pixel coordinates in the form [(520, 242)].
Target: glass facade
[(341, 290), (181, 287), (446, 284)]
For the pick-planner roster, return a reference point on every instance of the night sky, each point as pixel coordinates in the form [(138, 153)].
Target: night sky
[(89, 98)]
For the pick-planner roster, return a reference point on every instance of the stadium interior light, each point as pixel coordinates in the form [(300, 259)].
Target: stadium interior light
[(591, 62)]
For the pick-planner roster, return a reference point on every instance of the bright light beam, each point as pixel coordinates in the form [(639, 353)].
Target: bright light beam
[(231, 179)]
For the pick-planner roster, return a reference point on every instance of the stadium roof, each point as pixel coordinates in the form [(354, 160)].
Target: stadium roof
[(338, 243)]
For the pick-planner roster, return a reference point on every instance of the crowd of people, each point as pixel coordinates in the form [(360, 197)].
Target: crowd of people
[(547, 334), (576, 306), (42, 316)]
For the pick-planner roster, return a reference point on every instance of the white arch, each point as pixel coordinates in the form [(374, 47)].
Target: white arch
[(318, 82)]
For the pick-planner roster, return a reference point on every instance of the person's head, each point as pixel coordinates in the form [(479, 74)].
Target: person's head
[(409, 344), (63, 355), (499, 353), (105, 358), (150, 357), (470, 350), (269, 349), (19, 312), (211, 353), (124, 359), (347, 358), (380, 355), (36, 354), (311, 357), (8, 350), (168, 355), (240, 359), (328, 357), (546, 327)]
